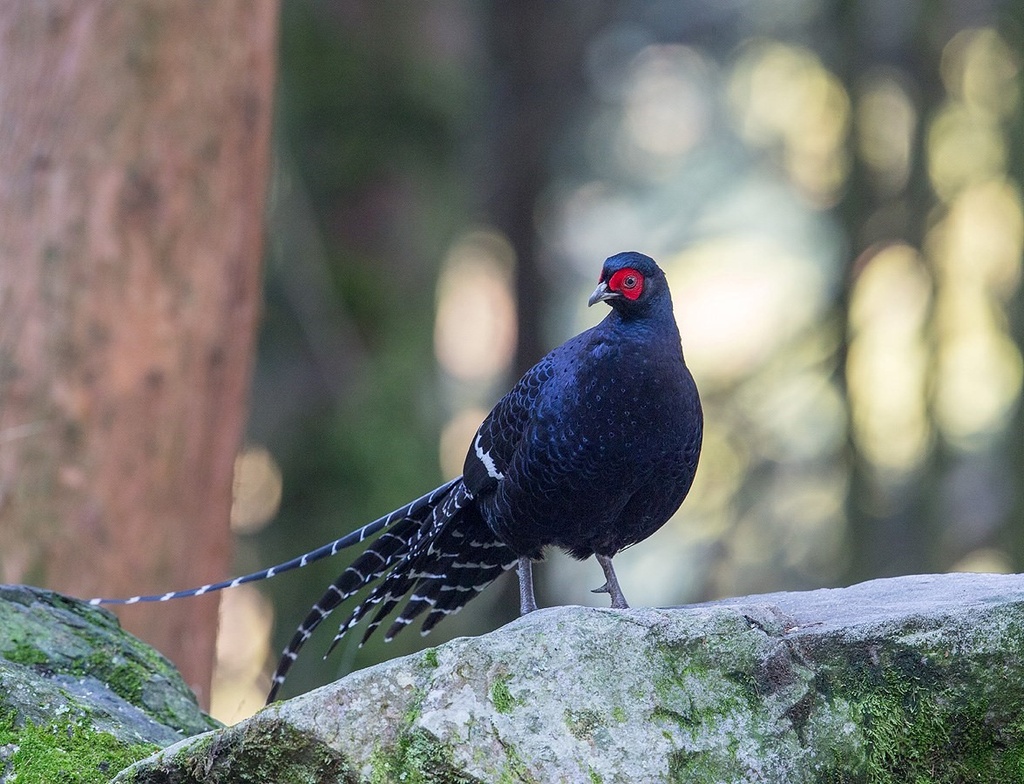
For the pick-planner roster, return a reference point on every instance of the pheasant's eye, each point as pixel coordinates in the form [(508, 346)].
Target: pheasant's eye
[(627, 282)]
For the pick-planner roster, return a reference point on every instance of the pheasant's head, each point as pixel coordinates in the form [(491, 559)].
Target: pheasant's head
[(631, 283)]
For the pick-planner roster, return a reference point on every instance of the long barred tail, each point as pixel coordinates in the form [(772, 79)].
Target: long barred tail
[(410, 510), (443, 554)]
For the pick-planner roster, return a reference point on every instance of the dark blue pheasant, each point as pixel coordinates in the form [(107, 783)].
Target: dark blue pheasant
[(591, 451)]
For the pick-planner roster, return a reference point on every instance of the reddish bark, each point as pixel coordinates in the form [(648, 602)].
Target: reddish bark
[(134, 149)]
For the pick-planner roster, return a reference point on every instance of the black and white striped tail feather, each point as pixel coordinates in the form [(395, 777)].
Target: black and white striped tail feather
[(370, 566), (408, 566), (432, 563), (452, 581), (424, 561), (445, 596), (394, 550), (431, 568), (411, 509)]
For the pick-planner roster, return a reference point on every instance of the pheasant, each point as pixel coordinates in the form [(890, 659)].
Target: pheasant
[(591, 451)]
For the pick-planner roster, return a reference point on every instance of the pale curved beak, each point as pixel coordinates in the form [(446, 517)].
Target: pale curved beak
[(601, 293)]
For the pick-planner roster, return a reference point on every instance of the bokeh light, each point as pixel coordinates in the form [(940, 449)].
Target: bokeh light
[(787, 101), (742, 298), (886, 122), (475, 328), (667, 105), (887, 361), (258, 487), (243, 650)]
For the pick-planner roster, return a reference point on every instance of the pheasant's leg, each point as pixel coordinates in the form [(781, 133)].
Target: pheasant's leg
[(527, 601), (611, 583)]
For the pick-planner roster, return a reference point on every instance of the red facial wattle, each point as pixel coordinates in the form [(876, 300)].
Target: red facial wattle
[(627, 282)]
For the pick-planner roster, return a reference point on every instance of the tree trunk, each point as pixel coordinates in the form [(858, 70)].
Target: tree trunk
[(134, 147)]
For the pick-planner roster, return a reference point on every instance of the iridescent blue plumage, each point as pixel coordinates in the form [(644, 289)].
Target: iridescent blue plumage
[(591, 451), (598, 443)]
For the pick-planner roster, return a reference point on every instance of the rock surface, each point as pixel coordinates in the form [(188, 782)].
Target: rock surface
[(909, 679), (79, 697)]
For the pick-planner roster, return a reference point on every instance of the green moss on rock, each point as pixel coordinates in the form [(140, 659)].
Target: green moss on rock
[(919, 722), (417, 757), (69, 752), (80, 698), (501, 697), (24, 653), (262, 750), (66, 644)]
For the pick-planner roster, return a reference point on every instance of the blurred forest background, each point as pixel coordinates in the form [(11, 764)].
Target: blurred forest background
[(834, 189)]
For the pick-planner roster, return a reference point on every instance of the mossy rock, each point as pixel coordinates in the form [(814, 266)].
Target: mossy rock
[(914, 679), (80, 698)]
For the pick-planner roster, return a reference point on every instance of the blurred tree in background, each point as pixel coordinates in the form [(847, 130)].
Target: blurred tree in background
[(134, 152), (832, 188)]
